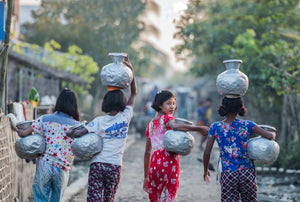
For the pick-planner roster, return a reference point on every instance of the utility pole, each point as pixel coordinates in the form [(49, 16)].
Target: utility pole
[(4, 51)]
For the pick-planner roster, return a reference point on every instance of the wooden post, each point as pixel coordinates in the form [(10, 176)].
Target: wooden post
[(5, 55)]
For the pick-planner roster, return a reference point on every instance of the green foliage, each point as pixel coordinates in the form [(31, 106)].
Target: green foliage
[(144, 65), (289, 157), (72, 61), (264, 34), (287, 78), (97, 27), (247, 30), (219, 30)]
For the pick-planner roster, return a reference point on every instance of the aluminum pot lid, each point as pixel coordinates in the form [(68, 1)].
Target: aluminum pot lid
[(180, 120), (117, 54), (267, 127), (79, 125), (24, 122), (232, 60)]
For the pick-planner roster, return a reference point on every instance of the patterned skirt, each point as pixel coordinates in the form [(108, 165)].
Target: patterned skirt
[(163, 178), (238, 185)]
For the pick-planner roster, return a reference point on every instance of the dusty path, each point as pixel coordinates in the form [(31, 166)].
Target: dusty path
[(192, 187)]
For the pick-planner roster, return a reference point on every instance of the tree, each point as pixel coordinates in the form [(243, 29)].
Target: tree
[(97, 27), (213, 31), (73, 62)]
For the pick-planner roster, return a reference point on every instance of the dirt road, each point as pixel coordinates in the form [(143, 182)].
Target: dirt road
[(192, 187)]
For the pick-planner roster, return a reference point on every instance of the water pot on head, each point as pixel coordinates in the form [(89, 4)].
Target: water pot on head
[(232, 81), (116, 74)]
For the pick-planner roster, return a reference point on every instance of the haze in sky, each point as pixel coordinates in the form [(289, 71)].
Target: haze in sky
[(30, 2), (169, 11)]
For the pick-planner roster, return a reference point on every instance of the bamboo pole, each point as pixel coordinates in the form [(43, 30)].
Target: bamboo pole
[(5, 56)]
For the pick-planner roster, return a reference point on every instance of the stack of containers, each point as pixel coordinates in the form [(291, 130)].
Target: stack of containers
[(115, 76), (232, 83)]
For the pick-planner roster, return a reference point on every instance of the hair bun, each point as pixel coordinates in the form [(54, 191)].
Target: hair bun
[(242, 111), (222, 110)]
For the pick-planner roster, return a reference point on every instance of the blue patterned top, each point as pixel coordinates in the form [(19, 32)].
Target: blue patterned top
[(61, 118), (232, 140)]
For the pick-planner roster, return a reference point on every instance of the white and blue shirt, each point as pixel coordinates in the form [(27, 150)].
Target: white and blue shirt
[(113, 130)]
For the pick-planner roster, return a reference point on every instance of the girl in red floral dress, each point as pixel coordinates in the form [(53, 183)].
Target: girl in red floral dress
[(162, 171)]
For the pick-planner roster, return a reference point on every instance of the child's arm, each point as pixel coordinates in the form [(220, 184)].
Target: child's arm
[(133, 90), (266, 134), (206, 157), (24, 132), (147, 155), (186, 127), (76, 133)]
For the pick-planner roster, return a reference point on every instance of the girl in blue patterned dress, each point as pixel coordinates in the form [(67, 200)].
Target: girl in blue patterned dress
[(238, 177)]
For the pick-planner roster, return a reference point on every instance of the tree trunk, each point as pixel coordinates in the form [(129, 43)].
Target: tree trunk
[(5, 55), (294, 115), (283, 135)]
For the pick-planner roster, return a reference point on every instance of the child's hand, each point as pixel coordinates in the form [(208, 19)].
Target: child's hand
[(204, 130), (72, 133), (206, 176), (145, 186), (127, 62), (274, 135), (69, 133), (75, 133), (20, 132)]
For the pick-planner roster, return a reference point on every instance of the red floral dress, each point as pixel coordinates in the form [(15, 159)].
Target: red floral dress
[(163, 176)]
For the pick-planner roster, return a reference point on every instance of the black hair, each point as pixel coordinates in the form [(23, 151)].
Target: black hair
[(232, 106), (201, 102), (209, 100), (67, 103), (160, 98), (114, 101)]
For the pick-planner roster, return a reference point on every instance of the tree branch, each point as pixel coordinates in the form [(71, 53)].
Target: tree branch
[(278, 69)]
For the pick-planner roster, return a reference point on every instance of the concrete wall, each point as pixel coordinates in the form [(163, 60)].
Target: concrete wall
[(21, 79)]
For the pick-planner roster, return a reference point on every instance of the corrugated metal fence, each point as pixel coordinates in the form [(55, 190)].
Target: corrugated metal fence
[(16, 175)]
